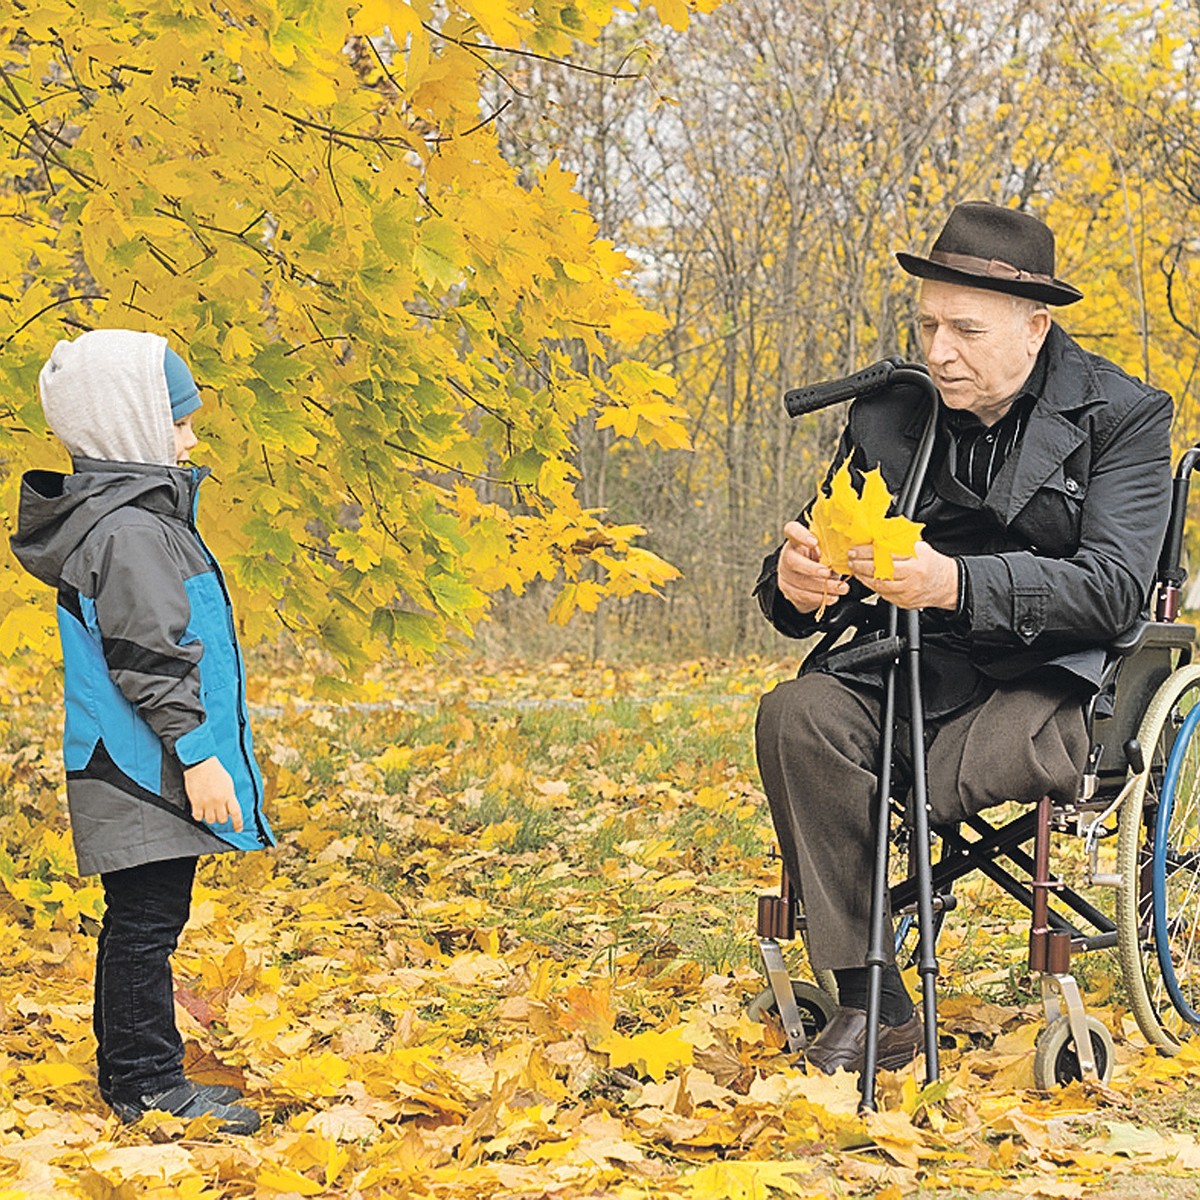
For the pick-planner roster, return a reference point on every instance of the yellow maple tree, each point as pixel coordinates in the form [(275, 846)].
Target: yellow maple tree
[(395, 333)]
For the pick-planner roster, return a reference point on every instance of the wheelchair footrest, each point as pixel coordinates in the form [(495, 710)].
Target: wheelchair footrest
[(785, 998)]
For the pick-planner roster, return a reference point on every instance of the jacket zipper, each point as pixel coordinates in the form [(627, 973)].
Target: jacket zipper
[(241, 705)]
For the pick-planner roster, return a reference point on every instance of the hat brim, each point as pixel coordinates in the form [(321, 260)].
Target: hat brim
[(1055, 292)]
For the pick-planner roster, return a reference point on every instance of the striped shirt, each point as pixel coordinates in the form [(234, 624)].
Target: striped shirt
[(978, 451)]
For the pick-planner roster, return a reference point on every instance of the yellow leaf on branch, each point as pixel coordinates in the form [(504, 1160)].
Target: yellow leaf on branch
[(673, 13), (373, 15), (501, 19), (846, 518)]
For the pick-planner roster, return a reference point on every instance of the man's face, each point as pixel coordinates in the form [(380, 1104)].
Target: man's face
[(979, 346)]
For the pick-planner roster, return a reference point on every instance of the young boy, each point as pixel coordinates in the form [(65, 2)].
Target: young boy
[(160, 763)]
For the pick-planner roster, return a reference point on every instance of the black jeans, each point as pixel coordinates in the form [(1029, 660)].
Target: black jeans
[(139, 1050)]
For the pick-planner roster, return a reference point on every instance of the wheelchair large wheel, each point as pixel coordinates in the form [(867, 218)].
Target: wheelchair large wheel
[(1158, 857)]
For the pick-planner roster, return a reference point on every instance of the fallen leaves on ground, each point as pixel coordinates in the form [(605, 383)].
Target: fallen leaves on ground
[(505, 950)]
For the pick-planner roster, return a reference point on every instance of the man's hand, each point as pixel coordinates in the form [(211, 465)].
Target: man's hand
[(928, 579), (210, 790), (802, 578)]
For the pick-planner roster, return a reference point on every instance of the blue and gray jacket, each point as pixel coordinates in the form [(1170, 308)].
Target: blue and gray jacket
[(154, 679)]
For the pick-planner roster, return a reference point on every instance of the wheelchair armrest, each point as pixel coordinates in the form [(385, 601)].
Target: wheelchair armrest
[(1151, 633)]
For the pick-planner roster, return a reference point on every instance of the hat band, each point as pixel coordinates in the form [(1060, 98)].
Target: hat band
[(993, 268)]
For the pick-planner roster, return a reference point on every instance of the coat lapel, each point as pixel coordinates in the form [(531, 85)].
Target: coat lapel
[(1049, 440), (1050, 437), (945, 483)]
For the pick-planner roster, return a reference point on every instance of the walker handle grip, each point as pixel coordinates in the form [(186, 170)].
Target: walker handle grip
[(802, 400)]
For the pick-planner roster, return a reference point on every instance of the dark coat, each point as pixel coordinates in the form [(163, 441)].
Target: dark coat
[(1059, 557)]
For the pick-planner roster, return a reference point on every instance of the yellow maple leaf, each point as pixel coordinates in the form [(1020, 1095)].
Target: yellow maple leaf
[(394, 758), (621, 419), (501, 19), (589, 1010), (827, 519), (312, 1075), (284, 1179), (373, 15), (846, 518), (651, 1052), (28, 627), (51, 1075), (745, 1180), (673, 13)]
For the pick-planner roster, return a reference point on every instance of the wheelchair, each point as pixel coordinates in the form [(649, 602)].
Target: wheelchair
[(1141, 785)]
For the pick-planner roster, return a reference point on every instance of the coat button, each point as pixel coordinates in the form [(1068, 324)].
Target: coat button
[(1072, 486), (1026, 628)]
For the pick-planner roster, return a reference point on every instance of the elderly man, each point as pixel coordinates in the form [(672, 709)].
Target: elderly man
[(1045, 507)]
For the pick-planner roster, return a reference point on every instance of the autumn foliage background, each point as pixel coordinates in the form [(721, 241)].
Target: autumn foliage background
[(492, 305)]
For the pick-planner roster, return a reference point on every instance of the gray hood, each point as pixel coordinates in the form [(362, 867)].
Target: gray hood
[(105, 397), (58, 511)]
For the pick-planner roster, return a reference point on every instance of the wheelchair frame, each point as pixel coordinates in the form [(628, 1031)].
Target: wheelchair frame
[(1147, 678)]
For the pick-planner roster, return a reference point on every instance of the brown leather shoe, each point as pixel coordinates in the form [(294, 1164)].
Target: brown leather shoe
[(842, 1042)]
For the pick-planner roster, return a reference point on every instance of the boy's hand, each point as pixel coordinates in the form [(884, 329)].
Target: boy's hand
[(209, 788)]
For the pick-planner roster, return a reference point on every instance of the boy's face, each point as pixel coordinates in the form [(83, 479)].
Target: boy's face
[(185, 440)]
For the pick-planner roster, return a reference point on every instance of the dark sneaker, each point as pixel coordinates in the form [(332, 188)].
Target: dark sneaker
[(218, 1093), (843, 1041), (189, 1100)]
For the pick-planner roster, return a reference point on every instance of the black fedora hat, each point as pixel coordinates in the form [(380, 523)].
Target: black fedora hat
[(999, 249)]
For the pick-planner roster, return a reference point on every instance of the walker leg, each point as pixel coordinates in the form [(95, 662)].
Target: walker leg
[(876, 957)]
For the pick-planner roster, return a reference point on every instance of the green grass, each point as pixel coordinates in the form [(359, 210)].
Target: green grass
[(571, 810), (578, 808)]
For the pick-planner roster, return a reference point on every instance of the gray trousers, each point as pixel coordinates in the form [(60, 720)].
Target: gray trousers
[(818, 743)]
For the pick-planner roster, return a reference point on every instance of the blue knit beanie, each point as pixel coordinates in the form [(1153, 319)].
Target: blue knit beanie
[(181, 387)]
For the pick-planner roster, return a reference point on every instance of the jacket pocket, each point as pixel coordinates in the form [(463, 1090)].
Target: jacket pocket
[(1052, 520)]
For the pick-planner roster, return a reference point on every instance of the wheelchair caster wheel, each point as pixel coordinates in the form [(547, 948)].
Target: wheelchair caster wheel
[(1055, 1061), (815, 1007)]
